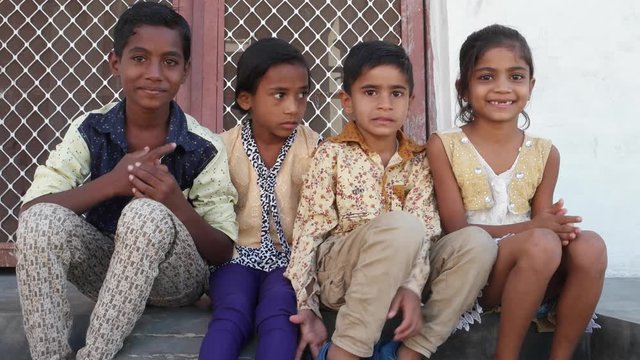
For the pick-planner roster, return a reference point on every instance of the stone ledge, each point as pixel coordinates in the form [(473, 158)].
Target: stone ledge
[(6, 255), (177, 333)]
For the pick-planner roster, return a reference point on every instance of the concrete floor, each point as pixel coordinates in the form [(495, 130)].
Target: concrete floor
[(621, 299), (176, 334)]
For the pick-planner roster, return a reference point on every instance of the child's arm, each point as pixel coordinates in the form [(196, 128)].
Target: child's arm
[(546, 215), (208, 213), (84, 197), (419, 201), (451, 207), (448, 198), (316, 217), (61, 179)]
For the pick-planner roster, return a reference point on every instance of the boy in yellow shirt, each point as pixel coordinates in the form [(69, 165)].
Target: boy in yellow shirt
[(367, 234)]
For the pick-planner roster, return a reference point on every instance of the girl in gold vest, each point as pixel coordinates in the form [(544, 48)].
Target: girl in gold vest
[(493, 174)]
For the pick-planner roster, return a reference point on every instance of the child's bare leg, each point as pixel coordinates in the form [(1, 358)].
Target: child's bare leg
[(405, 353), (584, 262), (337, 353), (526, 262)]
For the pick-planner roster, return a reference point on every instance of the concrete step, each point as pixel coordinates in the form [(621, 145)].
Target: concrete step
[(177, 333)]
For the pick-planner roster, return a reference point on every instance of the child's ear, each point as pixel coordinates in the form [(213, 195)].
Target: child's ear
[(245, 100), (532, 83), (187, 70), (114, 63), (347, 103), (459, 91)]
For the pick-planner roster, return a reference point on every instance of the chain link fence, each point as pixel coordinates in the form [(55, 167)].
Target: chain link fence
[(53, 67)]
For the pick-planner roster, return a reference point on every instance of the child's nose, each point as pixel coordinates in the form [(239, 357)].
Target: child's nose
[(291, 106), (154, 70), (384, 102), (503, 84)]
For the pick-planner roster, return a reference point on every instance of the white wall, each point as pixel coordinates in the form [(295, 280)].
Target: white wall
[(587, 100)]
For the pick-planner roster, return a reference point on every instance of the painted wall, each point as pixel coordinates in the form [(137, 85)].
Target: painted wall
[(587, 100)]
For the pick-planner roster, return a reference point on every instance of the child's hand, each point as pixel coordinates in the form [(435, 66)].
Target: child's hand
[(312, 332), (559, 209), (120, 173), (154, 181), (408, 303), (555, 219)]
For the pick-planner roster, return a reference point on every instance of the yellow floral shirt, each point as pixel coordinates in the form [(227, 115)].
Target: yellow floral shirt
[(347, 186)]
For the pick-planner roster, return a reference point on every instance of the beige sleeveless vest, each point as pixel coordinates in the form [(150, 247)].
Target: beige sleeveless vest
[(474, 184)]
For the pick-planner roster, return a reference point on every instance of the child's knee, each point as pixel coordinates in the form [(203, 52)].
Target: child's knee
[(542, 250), (146, 220), (403, 231), (588, 252), (42, 227), (475, 240), (473, 245), (144, 212), (403, 220)]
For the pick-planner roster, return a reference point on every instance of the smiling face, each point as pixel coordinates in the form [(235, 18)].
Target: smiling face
[(151, 69), (379, 102), (499, 86), (279, 102)]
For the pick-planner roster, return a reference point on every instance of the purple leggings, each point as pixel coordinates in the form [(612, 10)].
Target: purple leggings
[(242, 297)]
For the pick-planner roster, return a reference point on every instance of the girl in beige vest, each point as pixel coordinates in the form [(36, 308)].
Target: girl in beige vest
[(492, 174)]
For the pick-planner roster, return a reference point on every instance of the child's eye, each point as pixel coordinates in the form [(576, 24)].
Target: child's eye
[(397, 93), (138, 58), (279, 95), (517, 77), (171, 62), (485, 77), (370, 92), (303, 95)]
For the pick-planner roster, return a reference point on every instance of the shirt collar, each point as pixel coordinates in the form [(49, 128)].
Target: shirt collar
[(407, 148), (112, 123)]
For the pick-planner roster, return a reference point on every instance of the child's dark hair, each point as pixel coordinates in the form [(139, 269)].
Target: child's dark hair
[(476, 45), (154, 14), (369, 54), (258, 58)]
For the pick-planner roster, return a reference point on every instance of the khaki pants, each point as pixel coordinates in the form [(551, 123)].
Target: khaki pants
[(460, 266), (152, 259), (360, 272)]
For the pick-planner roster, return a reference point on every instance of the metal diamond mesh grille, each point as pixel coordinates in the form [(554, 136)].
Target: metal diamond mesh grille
[(52, 69), (322, 30)]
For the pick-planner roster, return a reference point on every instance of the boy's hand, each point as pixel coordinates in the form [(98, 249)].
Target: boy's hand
[(120, 173), (312, 332), (408, 303), (154, 181)]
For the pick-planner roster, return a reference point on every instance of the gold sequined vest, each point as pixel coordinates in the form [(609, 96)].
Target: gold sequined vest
[(473, 182)]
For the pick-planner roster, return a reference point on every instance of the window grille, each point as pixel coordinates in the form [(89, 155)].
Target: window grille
[(53, 67)]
